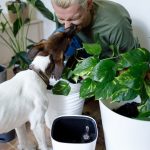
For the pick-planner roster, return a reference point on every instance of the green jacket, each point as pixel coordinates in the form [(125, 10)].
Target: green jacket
[(111, 24)]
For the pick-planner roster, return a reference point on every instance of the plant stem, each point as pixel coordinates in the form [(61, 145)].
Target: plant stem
[(14, 42), (7, 43)]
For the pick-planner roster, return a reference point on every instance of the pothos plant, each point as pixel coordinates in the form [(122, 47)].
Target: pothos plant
[(121, 77), (16, 33)]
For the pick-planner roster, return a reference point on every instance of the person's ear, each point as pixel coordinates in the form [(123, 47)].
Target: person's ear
[(89, 4)]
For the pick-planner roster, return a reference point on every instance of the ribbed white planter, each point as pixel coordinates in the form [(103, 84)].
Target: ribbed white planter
[(64, 105), (68, 131), (123, 133)]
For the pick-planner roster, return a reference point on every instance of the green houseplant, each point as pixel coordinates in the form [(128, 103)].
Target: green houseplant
[(17, 31), (113, 80), (121, 77)]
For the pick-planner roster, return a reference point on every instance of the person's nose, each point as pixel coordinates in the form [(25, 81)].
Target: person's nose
[(67, 24)]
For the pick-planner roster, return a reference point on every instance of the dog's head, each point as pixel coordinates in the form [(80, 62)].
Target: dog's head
[(48, 55)]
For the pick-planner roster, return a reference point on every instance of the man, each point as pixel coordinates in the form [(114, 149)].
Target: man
[(97, 20)]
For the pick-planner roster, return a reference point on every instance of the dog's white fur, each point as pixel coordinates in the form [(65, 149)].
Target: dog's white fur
[(25, 98)]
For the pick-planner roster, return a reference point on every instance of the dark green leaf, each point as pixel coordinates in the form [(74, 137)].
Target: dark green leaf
[(133, 57), (23, 55), (93, 48), (21, 59), (17, 26), (38, 4), (3, 26), (61, 88), (87, 88)]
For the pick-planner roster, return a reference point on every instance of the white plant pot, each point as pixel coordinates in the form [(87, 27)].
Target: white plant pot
[(64, 105), (67, 133), (123, 133)]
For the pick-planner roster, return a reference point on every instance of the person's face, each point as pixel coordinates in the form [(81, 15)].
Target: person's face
[(74, 14)]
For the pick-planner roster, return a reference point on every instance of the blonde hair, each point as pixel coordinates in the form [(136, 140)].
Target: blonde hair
[(67, 3)]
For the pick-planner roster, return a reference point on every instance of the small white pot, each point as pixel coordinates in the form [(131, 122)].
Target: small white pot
[(123, 133), (64, 105), (67, 133)]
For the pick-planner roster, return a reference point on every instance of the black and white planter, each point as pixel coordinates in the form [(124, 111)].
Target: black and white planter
[(123, 133), (76, 132), (64, 105)]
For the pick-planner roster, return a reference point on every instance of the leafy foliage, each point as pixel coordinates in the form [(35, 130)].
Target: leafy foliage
[(121, 77), (17, 33)]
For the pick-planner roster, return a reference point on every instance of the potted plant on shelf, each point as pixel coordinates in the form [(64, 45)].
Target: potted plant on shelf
[(16, 33), (122, 85)]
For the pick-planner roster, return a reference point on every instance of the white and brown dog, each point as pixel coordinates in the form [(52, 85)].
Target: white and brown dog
[(25, 97)]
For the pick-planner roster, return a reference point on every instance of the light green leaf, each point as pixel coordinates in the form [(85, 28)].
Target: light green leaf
[(87, 88), (93, 48), (85, 67), (61, 88), (104, 71)]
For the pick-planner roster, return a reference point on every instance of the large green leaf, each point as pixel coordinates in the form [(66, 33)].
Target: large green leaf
[(86, 66), (87, 88), (114, 91), (38, 4), (3, 26), (104, 90), (93, 48), (21, 59), (134, 76), (61, 88), (18, 24), (133, 57), (104, 71)]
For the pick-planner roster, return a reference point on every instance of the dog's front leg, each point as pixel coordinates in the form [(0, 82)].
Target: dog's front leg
[(24, 143), (39, 133)]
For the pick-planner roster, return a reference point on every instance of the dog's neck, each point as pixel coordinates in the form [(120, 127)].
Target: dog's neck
[(39, 65), (42, 75)]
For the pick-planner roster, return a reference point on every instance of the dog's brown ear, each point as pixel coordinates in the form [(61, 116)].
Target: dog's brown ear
[(37, 48), (58, 69)]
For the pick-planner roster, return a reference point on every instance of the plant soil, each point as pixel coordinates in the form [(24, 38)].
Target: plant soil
[(128, 110)]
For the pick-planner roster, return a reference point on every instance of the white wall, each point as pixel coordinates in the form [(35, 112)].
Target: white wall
[(139, 11)]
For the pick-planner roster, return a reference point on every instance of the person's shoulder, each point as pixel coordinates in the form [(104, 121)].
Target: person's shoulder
[(110, 11)]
